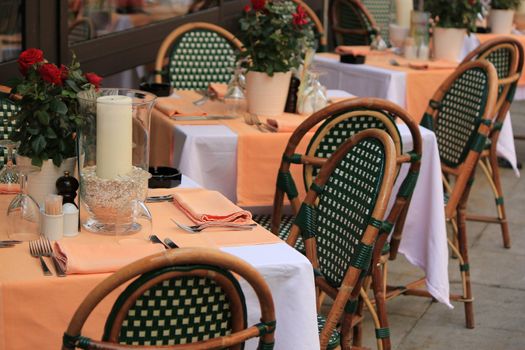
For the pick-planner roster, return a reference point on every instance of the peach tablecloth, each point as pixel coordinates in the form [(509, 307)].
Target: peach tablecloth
[(35, 309), (258, 153), (420, 83)]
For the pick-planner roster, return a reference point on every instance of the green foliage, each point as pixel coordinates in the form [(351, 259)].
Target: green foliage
[(275, 37), (454, 13), (49, 118), (505, 4)]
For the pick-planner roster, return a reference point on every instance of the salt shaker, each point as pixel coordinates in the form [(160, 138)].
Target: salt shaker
[(70, 219)]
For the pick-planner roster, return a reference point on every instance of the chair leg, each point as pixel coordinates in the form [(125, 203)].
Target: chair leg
[(464, 266), (502, 215)]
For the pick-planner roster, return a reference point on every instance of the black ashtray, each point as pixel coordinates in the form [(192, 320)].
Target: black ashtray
[(164, 177), (159, 89), (352, 59)]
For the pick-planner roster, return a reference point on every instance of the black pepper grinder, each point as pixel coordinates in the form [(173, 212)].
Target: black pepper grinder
[(67, 187), (291, 100)]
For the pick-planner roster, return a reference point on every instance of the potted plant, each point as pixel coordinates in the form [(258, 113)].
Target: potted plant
[(275, 34), (453, 20), (49, 117), (501, 15)]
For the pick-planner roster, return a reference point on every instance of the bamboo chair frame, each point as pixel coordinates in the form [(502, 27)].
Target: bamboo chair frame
[(177, 258), (323, 38), (79, 22), (349, 290), (489, 161), (455, 208), (367, 22), (161, 59)]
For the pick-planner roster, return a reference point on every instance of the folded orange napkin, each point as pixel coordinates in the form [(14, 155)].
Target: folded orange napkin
[(205, 206), (219, 89), (358, 50), (178, 107), (9, 188), (84, 258), (283, 125), (438, 64)]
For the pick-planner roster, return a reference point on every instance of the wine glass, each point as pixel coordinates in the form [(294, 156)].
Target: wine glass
[(8, 174), (23, 214), (234, 98)]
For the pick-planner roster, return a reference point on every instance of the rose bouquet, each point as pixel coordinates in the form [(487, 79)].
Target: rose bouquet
[(454, 13), (49, 115)]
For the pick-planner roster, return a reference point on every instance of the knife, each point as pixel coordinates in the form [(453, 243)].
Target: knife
[(6, 245), (10, 241), (170, 243), (201, 117)]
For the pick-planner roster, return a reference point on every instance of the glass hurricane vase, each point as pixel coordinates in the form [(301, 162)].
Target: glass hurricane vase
[(114, 156)]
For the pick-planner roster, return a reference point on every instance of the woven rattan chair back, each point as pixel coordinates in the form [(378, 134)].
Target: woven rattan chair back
[(381, 11), (335, 124), (8, 109), (352, 23), (180, 299), (197, 54), (81, 30), (341, 216)]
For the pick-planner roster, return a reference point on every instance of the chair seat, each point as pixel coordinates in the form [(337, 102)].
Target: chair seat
[(334, 340), (284, 231)]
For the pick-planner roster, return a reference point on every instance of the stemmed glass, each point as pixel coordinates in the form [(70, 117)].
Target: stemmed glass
[(23, 213), (234, 98), (8, 174)]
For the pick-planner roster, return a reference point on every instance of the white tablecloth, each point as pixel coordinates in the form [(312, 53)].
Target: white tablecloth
[(368, 81), (208, 153)]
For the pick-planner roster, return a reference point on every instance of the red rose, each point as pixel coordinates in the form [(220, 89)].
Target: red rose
[(300, 18), (472, 2), (64, 72), (51, 73), (258, 4), (28, 58), (247, 8), (94, 79)]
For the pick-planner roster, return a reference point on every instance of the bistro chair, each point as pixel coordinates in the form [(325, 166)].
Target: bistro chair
[(339, 222), (187, 298), (506, 54), (352, 23), (381, 11), (460, 113), (197, 54), (319, 28), (80, 30), (8, 109)]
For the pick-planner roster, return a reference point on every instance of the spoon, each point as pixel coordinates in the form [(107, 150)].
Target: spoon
[(156, 239)]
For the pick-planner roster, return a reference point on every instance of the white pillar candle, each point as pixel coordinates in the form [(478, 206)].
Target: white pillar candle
[(114, 136), (403, 9)]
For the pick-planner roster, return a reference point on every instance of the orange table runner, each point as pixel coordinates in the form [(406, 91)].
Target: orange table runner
[(258, 153), (21, 278), (421, 84), (521, 38)]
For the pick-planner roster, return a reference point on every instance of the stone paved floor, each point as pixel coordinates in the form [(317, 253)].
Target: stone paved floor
[(498, 280)]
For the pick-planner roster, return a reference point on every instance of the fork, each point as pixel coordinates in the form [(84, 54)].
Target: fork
[(263, 127), (208, 95), (199, 228), (47, 250), (33, 250)]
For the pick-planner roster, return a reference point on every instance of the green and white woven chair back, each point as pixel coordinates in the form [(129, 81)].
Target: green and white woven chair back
[(8, 109), (459, 116), (350, 16), (381, 11), (173, 309), (345, 207), (501, 59), (200, 57), (337, 129)]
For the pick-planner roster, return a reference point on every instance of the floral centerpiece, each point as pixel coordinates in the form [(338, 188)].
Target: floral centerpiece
[(276, 35), (48, 121), (453, 19), (501, 15), (49, 112)]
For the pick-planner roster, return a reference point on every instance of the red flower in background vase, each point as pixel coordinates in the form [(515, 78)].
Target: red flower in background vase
[(247, 8), (94, 79), (28, 58), (51, 74), (64, 72), (300, 18), (258, 4)]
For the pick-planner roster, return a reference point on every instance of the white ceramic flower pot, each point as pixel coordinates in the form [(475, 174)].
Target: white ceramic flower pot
[(448, 43), (519, 17), (500, 21), (42, 183), (267, 95)]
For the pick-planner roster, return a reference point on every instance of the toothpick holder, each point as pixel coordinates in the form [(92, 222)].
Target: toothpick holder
[(52, 226)]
